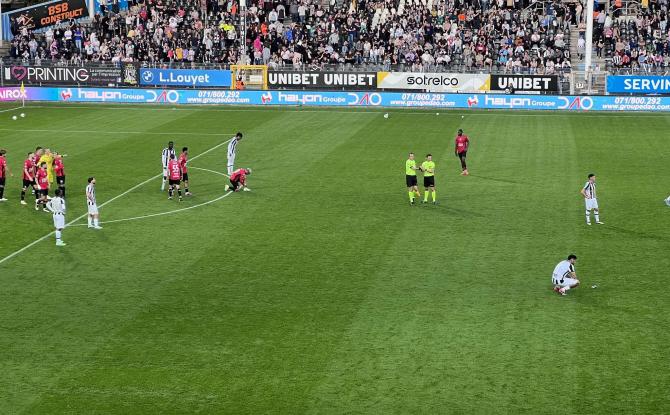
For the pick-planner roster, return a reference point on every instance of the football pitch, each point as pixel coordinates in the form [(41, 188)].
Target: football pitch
[(322, 291)]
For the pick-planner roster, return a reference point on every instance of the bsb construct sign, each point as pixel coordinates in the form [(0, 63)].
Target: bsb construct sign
[(48, 14)]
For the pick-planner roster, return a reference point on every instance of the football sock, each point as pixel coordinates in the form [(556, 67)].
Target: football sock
[(566, 288), (186, 190), (23, 195), (425, 196), (588, 217), (163, 184), (96, 221), (434, 195), (58, 234), (179, 192), (2, 191), (596, 213), (90, 221), (411, 196), (170, 191), (37, 196)]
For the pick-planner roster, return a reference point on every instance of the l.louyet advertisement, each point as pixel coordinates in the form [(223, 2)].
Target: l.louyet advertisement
[(524, 83), (433, 82), (322, 80), (62, 75), (48, 14)]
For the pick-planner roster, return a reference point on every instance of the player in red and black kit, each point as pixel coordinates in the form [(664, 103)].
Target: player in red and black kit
[(174, 177), (59, 171), (183, 159), (461, 150), (28, 177), (238, 180), (3, 174), (42, 191)]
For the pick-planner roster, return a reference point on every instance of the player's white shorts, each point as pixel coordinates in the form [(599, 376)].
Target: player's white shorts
[(92, 209), (565, 282), (591, 204), (59, 221), (231, 163)]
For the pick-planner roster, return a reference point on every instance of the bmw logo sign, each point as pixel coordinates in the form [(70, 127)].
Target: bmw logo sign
[(147, 76)]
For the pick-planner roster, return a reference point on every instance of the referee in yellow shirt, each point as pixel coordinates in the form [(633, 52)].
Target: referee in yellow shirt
[(428, 168), (410, 178)]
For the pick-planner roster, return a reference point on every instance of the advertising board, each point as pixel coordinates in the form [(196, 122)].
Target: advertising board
[(322, 80), (433, 82), (337, 98), (184, 77)]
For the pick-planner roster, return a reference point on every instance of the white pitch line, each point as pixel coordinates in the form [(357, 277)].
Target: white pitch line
[(11, 109), (30, 245), (151, 215), (111, 132)]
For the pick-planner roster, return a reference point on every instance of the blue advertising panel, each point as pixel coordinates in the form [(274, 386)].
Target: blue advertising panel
[(185, 77), (630, 84), (340, 99)]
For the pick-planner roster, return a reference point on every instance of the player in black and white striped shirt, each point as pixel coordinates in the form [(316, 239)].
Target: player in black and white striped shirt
[(57, 207), (93, 214), (232, 152), (589, 193), (165, 157)]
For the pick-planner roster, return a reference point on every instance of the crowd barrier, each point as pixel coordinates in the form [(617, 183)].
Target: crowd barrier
[(336, 99)]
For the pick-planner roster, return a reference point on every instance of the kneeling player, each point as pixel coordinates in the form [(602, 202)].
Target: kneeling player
[(238, 180), (564, 277), (174, 174)]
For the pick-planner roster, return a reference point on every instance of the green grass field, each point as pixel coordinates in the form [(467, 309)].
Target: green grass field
[(322, 291)]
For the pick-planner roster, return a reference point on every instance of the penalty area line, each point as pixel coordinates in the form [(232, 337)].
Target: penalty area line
[(35, 242)]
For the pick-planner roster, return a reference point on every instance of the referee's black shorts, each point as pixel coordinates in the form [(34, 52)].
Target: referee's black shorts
[(410, 180), (429, 181)]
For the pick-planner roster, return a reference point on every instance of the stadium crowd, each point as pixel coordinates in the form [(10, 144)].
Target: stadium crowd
[(417, 34)]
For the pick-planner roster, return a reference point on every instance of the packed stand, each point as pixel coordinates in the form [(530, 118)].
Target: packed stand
[(637, 41), (410, 34)]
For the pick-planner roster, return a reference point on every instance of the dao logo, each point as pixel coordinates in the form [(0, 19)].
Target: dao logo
[(166, 96), (577, 103), (66, 94), (266, 98), (373, 99), (147, 76), (473, 101)]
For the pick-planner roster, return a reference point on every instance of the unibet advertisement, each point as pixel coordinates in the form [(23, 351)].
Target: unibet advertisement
[(433, 82)]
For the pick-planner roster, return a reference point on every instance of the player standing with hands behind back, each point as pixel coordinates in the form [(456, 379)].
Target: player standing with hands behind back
[(589, 193), (461, 150), (410, 178), (93, 215)]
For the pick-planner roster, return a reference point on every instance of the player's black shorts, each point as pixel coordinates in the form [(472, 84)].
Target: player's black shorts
[(411, 180), (43, 192), (60, 180), (28, 183), (184, 177), (429, 181), (174, 182), (234, 184), (462, 154)]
